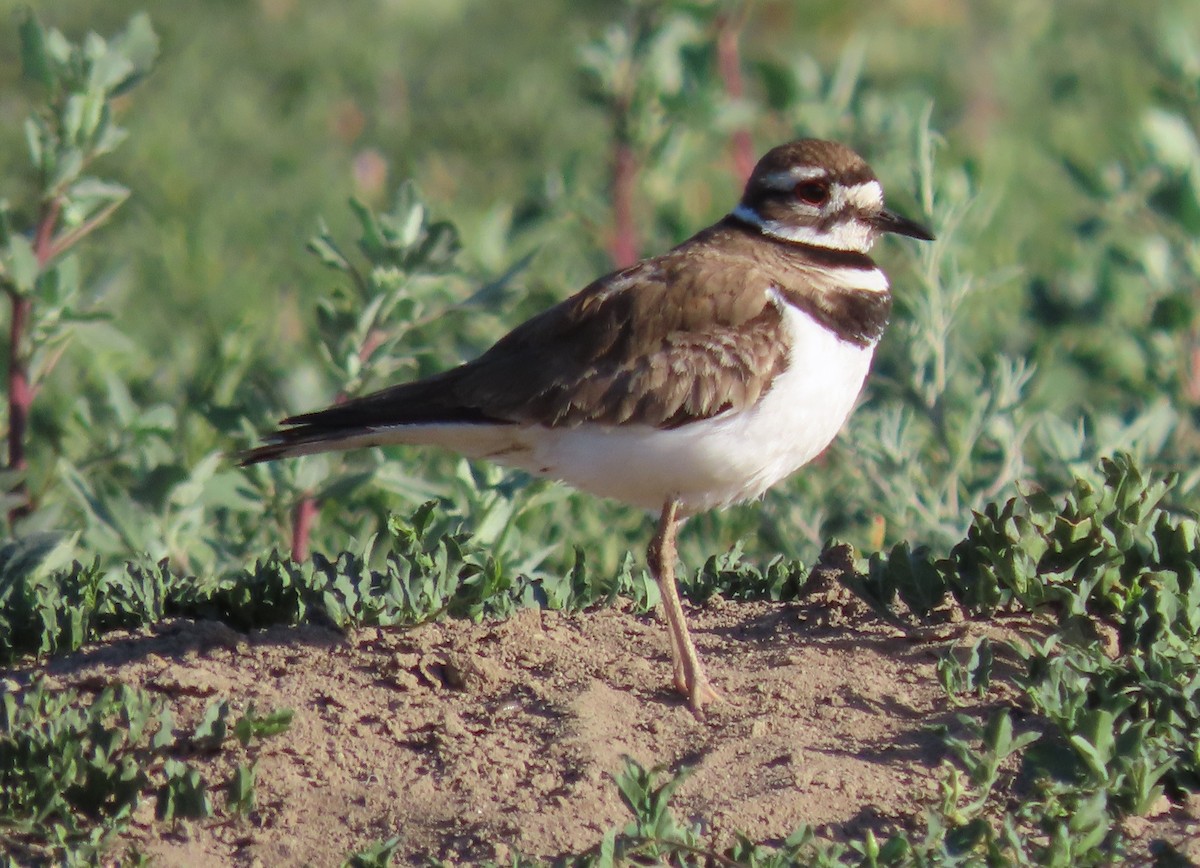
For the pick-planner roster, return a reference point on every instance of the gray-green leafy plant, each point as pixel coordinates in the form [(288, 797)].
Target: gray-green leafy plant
[(73, 126)]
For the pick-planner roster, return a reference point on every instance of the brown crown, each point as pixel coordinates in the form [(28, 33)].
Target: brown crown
[(843, 164)]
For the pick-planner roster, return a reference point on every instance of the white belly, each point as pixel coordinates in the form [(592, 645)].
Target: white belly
[(707, 464)]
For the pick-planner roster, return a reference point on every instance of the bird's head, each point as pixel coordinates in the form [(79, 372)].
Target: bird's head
[(823, 194)]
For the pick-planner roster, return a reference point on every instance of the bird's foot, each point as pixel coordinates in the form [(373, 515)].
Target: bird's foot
[(702, 694), (681, 681), (698, 689)]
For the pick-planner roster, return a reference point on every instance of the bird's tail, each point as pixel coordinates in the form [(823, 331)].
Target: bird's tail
[(309, 440), (419, 412)]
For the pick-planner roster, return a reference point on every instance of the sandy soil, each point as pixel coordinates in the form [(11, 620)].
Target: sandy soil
[(475, 741)]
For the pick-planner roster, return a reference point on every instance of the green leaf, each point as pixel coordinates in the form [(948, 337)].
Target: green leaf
[(72, 118), (378, 855), (87, 196), (164, 736), (109, 69), (497, 292), (371, 239), (1171, 139), (67, 169), (606, 857), (212, 728), (894, 850), (183, 795), (323, 245), (239, 791), (33, 556), (22, 265), (108, 137), (439, 248), (408, 227), (139, 44), (251, 725), (36, 136), (36, 64), (1096, 761)]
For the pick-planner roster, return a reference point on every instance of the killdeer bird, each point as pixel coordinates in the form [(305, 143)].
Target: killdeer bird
[(689, 381)]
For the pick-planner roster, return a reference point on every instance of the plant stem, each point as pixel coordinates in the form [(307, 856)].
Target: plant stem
[(624, 247), (303, 517), (20, 390), (53, 247), (20, 401), (19, 393), (1191, 374), (729, 62), (43, 247)]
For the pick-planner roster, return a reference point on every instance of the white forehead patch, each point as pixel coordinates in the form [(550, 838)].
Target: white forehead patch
[(867, 196)]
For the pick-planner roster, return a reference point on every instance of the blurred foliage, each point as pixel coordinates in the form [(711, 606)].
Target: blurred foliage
[(1050, 325)]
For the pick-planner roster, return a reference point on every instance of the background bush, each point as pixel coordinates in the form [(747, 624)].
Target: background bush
[(1054, 149)]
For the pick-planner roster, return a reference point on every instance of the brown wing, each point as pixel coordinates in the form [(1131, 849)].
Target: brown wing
[(674, 339), (671, 340)]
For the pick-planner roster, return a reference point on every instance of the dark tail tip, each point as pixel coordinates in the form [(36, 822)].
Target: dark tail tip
[(259, 454)]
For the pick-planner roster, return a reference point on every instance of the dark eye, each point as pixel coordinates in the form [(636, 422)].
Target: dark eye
[(812, 192)]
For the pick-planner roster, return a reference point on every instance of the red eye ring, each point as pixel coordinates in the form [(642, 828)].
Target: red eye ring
[(812, 192)]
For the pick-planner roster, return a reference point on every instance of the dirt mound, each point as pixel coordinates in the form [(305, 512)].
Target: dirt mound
[(473, 741)]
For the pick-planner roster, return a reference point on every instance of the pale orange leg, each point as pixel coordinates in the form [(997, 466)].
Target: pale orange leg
[(690, 677)]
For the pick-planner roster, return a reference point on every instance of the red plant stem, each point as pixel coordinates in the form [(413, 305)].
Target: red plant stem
[(303, 517), (20, 395), (624, 246), (43, 247), (1191, 377), (729, 62), (370, 344), (20, 390), (20, 402)]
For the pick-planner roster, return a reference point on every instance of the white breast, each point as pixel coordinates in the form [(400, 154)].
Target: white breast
[(712, 463)]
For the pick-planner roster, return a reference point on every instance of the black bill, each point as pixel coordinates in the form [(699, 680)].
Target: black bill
[(890, 221)]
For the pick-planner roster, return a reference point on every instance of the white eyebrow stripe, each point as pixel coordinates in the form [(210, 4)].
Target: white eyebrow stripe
[(789, 178)]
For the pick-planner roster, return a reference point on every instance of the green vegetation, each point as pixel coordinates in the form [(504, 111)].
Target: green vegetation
[(74, 768), (1028, 444)]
